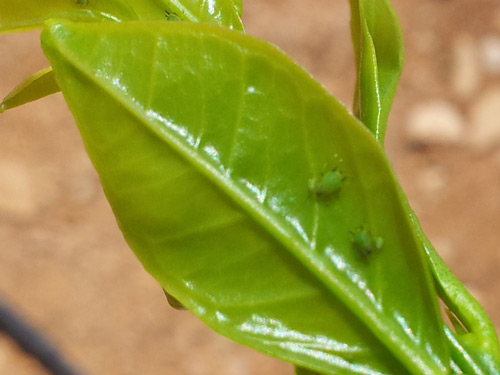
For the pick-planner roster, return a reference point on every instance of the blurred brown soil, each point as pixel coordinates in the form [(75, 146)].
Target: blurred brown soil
[(65, 265)]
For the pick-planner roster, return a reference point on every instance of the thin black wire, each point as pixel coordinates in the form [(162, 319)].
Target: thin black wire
[(33, 342)]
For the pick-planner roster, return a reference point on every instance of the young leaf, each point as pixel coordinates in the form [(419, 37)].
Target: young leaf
[(221, 12), (206, 150), (18, 15), (378, 47), (37, 86)]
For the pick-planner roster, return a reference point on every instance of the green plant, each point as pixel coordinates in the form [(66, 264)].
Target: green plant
[(252, 195)]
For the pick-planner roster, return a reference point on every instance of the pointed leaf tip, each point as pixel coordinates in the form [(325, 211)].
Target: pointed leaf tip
[(37, 86)]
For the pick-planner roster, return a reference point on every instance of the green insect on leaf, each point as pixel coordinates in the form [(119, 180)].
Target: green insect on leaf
[(379, 53), (205, 150), (329, 184), (364, 244), (171, 16), (233, 172)]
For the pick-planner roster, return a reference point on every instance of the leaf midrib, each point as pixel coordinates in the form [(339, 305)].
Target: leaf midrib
[(266, 219)]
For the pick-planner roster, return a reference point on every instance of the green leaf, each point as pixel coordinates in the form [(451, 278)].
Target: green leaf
[(37, 86), (206, 150), (378, 47), (221, 12), (379, 54), (19, 15), (303, 371), (239, 6), (479, 348)]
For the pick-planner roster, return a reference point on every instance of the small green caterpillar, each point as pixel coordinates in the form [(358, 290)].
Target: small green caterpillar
[(364, 244), (82, 2)]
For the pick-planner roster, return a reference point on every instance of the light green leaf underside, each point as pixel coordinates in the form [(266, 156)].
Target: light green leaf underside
[(207, 158), (378, 47), (18, 15), (37, 86)]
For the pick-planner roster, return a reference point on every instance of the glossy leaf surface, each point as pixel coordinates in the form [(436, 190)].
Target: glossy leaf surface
[(378, 47), (35, 87), (207, 160), (18, 15)]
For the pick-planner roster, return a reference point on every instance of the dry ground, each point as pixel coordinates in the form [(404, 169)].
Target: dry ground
[(64, 263)]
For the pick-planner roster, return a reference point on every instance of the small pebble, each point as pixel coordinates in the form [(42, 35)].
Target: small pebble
[(436, 122), (490, 54), (485, 121), (432, 181), (17, 197), (466, 72)]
